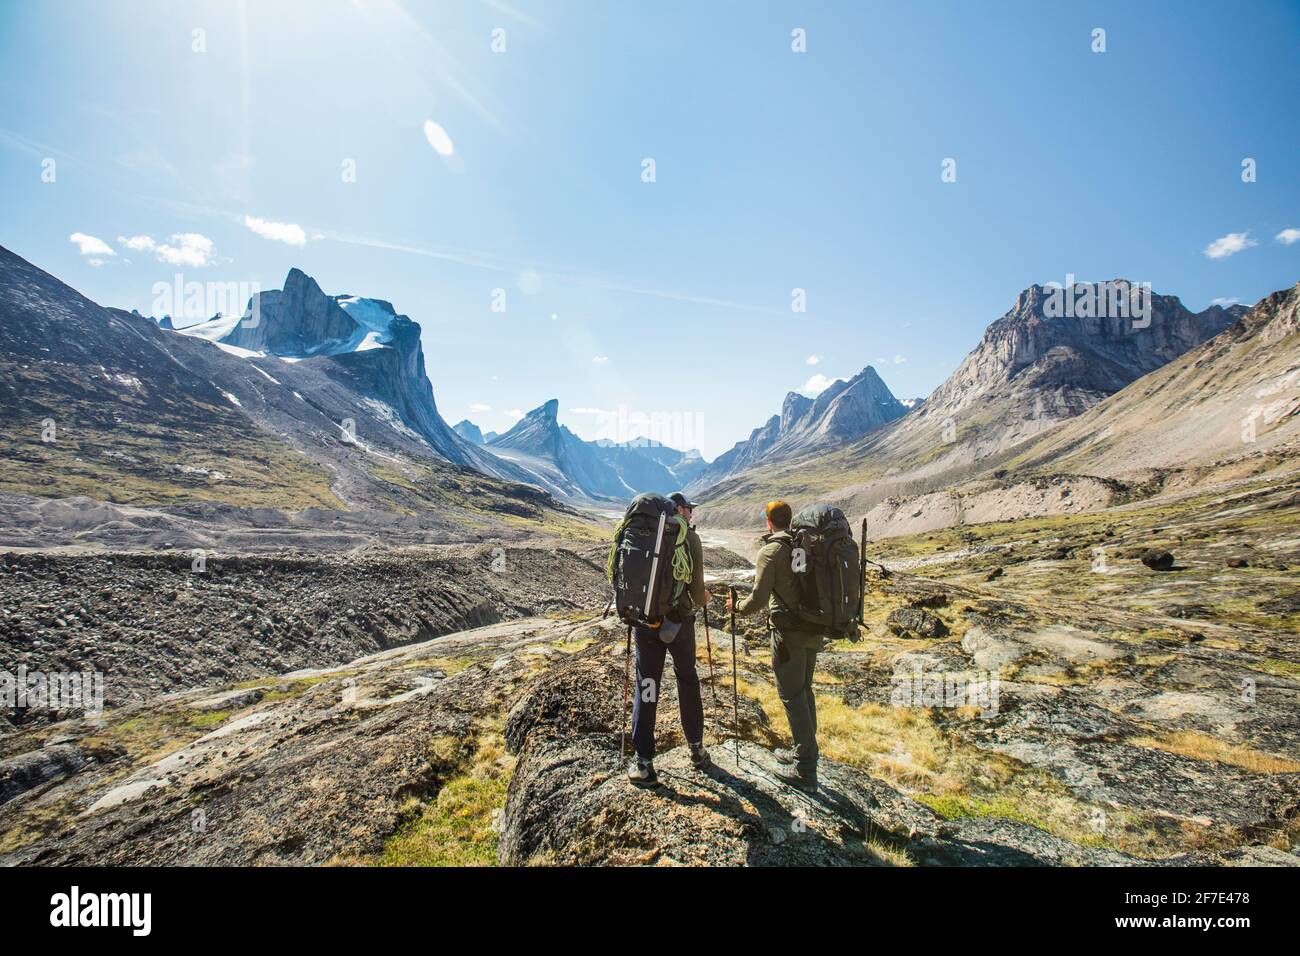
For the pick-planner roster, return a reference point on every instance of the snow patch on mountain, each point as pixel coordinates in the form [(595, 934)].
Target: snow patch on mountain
[(213, 329), (392, 419)]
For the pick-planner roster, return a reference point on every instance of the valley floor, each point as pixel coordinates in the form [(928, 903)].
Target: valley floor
[(1140, 716)]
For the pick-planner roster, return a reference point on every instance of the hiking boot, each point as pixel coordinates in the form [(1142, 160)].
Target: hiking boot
[(642, 772), (785, 757), (807, 782), (700, 759)]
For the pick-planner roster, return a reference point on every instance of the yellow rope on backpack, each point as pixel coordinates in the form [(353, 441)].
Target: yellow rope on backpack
[(681, 557)]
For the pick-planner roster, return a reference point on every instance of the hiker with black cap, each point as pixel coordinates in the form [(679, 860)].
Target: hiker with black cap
[(675, 636), (794, 650)]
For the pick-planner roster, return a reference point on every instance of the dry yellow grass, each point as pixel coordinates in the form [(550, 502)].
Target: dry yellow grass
[(901, 744), (1187, 743)]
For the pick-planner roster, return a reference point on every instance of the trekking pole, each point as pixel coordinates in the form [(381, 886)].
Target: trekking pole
[(862, 596), (708, 643), (627, 662), (735, 698)]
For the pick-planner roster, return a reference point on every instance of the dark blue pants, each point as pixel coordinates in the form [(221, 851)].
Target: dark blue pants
[(650, 654)]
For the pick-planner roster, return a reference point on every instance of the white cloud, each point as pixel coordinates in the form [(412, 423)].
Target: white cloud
[(1288, 236), (512, 413), (1224, 302), (137, 243), (587, 411), (1229, 245), (816, 385), (186, 249), (95, 262), (814, 359), (480, 407), (90, 246), (286, 232), (896, 360), (600, 359), (438, 138)]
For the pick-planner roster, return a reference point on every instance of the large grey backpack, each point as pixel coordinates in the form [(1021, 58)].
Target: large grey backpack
[(826, 565)]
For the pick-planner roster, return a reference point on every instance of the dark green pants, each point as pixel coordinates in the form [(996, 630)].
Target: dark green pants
[(793, 659)]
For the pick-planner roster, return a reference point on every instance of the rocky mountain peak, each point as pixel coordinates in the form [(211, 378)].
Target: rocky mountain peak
[(1089, 338), (296, 321), (571, 466), (795, 406), (844, 411), (467, 430), (537, 433)]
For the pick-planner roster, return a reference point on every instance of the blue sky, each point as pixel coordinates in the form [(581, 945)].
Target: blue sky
[(774, 170)]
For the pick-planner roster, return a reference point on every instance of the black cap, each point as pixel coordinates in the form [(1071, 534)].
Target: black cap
[(679, 500)]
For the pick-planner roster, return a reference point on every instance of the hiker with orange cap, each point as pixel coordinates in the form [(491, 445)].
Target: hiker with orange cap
[(794, 651)]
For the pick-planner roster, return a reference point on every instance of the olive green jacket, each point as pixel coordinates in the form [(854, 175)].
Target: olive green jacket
[(775, 584)]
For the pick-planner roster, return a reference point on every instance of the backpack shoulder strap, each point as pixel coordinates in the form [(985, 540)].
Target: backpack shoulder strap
[(611, 563)]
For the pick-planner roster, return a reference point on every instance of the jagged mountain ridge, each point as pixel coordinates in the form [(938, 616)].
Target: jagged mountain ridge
[(364, 344), (844, 411), (1236, 393), (144, 415), (95, 399), (1029, 373), (573, 467)]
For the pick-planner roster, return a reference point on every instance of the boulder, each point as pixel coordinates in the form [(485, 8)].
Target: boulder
[(1158, 560), (915, 622), (28, 771)]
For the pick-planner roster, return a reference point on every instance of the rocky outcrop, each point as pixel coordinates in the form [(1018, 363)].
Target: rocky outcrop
[(325, 767), (570, 802), (1035, 368), (36, 768)]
